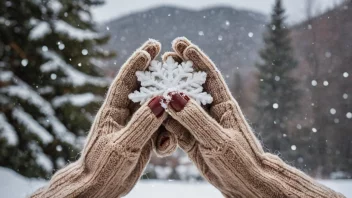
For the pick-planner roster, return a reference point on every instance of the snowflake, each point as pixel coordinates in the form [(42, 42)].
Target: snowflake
[(161, 79)]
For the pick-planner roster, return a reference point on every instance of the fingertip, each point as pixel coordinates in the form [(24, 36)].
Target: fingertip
[(178, 101), (190, 52), (200, 60), (141, 59), (174, 55), (138, 61), (179, 44), (156, 107), (165, 143), (152, 47)]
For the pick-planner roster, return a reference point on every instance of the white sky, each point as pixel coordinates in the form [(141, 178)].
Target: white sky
[(295, 8)]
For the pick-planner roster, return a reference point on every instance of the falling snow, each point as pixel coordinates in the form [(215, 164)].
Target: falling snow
[(84, 52), (314, 83), (349, 115), (333, 111), (24, 62), (275, 105)]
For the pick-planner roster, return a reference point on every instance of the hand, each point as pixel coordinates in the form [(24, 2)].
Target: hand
[(117, 149), (223, 146)]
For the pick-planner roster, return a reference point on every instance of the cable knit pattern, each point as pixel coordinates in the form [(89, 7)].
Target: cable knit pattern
[(117, 148), (219, 154), (225, 149)]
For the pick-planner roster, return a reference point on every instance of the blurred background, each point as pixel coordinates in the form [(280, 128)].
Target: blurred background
[(288, 64)]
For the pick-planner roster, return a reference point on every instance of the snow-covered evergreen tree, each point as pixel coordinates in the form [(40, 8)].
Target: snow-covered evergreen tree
[(50, 82), (278, 96)]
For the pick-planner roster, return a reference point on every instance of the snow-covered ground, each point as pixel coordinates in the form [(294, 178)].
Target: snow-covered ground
[(16, 186)]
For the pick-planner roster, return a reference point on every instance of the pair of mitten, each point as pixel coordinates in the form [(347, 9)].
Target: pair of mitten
[(217, 139)]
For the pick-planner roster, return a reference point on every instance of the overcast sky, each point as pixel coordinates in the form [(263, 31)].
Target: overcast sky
[(295, 8)]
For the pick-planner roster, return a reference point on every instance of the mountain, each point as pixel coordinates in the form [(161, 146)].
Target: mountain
[(229, 36)]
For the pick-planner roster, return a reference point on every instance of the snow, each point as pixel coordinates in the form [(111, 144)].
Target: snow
[(349, 115), (45, 48), (275, 105), (333, 111), (16, 186), (85, 16), (55, 6), (187, 172), (24, 62), (78, 100), (5, 76), (44, 162), (60, 162), (74, 76), (75, 33), (32, 125), (7, 131), (43, 28), (61, 132), (314, 83), (339, 175), (345, 74), (163, 172), (173, 189), (39, 31), (25, 92), (161, 79), (41, 158)]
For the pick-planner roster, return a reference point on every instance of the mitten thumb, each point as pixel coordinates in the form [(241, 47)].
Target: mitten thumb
[(164, 142)]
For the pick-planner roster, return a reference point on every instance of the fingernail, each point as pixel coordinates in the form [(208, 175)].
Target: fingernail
[(156, 107), (178, 102)]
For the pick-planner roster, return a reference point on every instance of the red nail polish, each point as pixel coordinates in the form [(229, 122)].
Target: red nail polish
[(171, 93), (184, 96), (178, 102), (156, 107)]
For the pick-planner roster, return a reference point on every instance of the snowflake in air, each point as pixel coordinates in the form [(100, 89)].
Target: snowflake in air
[(161, 79)]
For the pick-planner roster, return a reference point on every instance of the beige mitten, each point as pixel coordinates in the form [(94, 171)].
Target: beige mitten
[(223, 146), (117, 148)]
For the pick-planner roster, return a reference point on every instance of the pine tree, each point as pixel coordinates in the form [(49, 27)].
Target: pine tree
[(278, 96), (51, 83)]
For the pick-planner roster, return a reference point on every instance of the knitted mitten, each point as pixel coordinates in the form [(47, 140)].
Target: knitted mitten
[(223, 146), (117, 148)]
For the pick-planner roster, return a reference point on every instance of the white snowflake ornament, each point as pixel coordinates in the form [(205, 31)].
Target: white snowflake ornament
[(161, 79)]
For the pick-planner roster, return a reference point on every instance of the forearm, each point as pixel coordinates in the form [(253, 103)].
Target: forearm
[(78, 180), (270, 170), (231, 159), (111, 163), (296, 180), (62, 182)]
